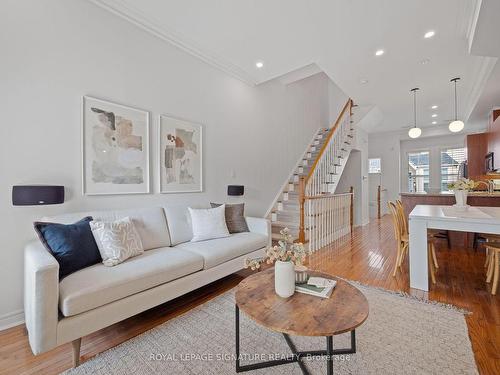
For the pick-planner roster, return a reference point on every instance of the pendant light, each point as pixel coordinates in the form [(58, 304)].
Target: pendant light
[(456, 125), (415, 131)]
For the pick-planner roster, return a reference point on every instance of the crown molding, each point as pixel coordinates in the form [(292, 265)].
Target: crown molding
[(471, 28), (483, 72), (136, 17), (465, 17)]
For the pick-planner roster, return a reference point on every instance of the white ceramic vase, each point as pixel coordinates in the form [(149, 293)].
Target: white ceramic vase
[(284, 278), (461, 198)]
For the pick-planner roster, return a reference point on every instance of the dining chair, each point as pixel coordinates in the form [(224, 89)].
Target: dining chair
[(400, 221), (435, 233), (432, 234), (491, 264), (400, 235)]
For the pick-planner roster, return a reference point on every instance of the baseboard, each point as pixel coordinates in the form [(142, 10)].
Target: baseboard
[(11, 319)]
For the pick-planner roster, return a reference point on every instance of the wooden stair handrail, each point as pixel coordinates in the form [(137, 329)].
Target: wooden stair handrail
[(304, 180), (327, 141)]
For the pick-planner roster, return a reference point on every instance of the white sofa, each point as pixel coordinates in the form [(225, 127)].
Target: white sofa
[(58, 312)]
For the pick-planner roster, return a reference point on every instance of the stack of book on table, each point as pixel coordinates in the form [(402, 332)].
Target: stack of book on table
[(317, 286)]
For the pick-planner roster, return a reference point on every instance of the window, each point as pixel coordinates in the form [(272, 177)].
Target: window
[(418, 172), (374, 165), (451, 159)]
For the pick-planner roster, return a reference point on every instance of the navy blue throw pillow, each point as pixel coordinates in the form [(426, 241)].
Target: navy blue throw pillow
[(73, 245)]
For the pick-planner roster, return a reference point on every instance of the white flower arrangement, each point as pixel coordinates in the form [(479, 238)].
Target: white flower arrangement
[(285, 251), (463, 184)]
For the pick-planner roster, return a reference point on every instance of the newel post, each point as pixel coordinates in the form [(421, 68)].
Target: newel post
[(302, 200), (351, 190), (378, 202)]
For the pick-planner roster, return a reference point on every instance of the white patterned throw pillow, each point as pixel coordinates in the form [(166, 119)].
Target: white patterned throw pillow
[(116, 240), (208, 223)]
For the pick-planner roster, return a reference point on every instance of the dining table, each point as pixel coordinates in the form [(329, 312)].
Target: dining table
[(423, 217)]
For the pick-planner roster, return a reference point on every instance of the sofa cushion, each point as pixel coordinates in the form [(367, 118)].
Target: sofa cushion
[(117, 240), (235, 217), (72, 245), (208, 223), (179, 222), (221, 250), (98, 285), (149, 222)]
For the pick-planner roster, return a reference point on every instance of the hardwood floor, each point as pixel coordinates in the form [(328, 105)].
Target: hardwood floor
[(367, 256)]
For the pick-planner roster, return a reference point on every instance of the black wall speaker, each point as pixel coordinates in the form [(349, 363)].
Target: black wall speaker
[(235, 190), (36, 195)]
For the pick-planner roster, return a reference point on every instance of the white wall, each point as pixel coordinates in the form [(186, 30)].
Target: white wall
[(336, 101), (385, 146), (55, 51), (355, 174)]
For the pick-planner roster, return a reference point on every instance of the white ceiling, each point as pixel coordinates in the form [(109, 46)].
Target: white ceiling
[(340, 37)]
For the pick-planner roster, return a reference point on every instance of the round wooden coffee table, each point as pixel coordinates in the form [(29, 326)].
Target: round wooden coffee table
[(301, 315)]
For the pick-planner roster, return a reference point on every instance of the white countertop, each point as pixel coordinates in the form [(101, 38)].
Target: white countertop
[(476, 214)]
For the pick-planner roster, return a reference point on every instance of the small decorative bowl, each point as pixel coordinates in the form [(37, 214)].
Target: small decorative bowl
[(301, 275)]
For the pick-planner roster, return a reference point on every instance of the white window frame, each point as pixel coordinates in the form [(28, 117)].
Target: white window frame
[(380, 159)]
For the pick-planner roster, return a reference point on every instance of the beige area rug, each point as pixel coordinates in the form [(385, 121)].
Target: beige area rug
[(401, 336)]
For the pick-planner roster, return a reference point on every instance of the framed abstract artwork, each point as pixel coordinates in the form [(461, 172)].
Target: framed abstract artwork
[(115, 147), (181, 156)]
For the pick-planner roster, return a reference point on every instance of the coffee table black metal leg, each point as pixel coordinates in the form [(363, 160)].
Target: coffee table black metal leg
[(297, 355), (353, 341), (259, 365), (329, 355)]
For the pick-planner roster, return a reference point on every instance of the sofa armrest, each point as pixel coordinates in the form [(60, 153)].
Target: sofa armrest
[(41, 297), (259, 225)]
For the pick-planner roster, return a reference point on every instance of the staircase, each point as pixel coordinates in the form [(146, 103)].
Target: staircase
[(316, 176)]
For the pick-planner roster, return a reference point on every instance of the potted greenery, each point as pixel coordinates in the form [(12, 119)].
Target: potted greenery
[(461, 188), (285, 256)]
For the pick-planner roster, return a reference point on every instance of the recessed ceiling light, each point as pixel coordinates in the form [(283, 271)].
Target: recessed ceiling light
[(434, 122), (364, 81), (434, 115), (434, 107), (259, 64), (380, 52), (425, 61), (429, 34)]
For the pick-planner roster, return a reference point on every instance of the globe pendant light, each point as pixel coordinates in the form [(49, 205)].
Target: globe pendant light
[(414, 132), (456, 125)]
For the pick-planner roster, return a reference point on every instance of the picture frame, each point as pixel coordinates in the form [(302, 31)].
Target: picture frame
[(115, 148), (180, 155)]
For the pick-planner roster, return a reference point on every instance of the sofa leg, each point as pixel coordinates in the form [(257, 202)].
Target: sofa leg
[(76, 344)]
